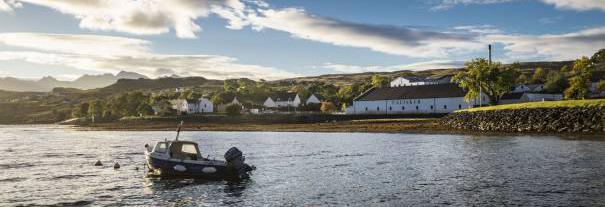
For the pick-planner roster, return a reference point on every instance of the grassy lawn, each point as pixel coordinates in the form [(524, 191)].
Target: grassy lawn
[(546, 104)]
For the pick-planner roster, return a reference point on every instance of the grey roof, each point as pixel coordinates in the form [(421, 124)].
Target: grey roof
[(512, 96), (283, 96), (413, 92)]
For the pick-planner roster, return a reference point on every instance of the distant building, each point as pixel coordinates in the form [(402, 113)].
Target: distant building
[(528, 88), (428, 98), (313, 100), (193, 106), (409, 81), (283, 99), (418, 81)]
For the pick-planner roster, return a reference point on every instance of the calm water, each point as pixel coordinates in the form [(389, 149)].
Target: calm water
[(51, 165)]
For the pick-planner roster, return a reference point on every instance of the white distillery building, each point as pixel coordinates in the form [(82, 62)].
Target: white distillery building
[(279, 100), (417, 81), (432, 98), (193, 106)]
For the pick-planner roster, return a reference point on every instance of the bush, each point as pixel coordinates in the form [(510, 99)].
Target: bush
[(233, 109)]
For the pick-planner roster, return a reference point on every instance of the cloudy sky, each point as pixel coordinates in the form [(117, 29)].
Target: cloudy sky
[(286, 38)]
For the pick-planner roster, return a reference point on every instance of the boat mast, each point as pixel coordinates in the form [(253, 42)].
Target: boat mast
[(178, 131)]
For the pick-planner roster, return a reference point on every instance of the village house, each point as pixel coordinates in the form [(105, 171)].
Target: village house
[(528, 88), (193, 106), (427, 98), (284, 99), (313, 99)]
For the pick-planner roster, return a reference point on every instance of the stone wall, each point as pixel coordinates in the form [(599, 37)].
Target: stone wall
[(573, 119)]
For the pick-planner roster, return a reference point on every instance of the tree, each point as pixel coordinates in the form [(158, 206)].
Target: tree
[(346, 94), (579, 82), (95, 109), (598, 57), (144, 109), (327, 107), (81, 110), (230, 85), (539, 76), (601, 86), (379, 81), (233, 109), (494, 80), (522, 79), (555, 82)]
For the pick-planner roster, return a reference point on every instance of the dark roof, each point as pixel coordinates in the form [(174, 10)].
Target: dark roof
[(413, 92), (414, 78), (511, 96), (283, 96)]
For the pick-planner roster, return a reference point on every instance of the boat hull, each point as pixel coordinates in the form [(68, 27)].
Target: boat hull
[(211, 170)]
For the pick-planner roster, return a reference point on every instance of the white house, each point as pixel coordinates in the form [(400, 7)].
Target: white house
[(532, 97), (278, 100), (431, 98), (313, 100), (192, 106), (410, 81), (528, 88)]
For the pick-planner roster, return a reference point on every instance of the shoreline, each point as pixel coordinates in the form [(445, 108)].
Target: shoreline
[(402, 126)]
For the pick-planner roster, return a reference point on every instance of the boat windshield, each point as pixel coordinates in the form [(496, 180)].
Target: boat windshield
[(184, 151), (160, 147)]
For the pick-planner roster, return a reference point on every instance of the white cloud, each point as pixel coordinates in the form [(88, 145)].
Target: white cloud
[(551, 46), (124, 54), (406, 41), (482, 29), (144, 17), (581, 5), (446, 4), (8, 5), (418, 66), (77, 44)]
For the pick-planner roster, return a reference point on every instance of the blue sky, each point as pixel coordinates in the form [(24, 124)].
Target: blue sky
[(286, 38)]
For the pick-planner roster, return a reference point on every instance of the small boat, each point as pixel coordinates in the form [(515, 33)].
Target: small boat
[(182, 159)]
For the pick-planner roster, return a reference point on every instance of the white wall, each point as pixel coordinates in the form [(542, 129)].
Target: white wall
[(205, 106), (408, 106)]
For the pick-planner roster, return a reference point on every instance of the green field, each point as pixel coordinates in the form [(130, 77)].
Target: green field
[(546, 104)]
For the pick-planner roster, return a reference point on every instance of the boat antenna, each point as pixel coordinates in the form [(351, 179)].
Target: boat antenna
[(178, 131)]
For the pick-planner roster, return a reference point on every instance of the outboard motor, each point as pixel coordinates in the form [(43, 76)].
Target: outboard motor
[(234, 158)]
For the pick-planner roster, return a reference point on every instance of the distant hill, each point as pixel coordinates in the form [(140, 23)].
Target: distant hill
[(47, 83), (167, 83), (343, 79)]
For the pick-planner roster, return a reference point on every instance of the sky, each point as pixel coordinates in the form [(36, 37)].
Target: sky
[(270, 40)]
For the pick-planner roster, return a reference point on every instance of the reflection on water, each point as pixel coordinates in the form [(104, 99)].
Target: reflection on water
[(53, 165)]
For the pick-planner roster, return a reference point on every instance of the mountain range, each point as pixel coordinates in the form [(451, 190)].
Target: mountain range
[(47, 83)]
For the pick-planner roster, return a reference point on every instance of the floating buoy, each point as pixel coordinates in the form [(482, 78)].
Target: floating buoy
[(116, 166), (98, 163)]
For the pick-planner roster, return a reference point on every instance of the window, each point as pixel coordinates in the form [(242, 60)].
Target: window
[(416, 107), (188, 148), (444, 106), (403, 108), (160, 147)]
